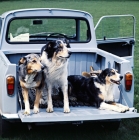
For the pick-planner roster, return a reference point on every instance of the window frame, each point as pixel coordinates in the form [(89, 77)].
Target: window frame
[(41, 17)]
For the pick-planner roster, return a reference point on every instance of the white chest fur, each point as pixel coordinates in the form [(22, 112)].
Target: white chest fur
[(29, 81), (30, 78), (106, 91), (56, 73)]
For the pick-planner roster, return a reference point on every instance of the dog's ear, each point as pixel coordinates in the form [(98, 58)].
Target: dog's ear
[(91, 69), (86, 74), (49, 48), (51, 45), (22, 60), (67, 42), (105, 72)]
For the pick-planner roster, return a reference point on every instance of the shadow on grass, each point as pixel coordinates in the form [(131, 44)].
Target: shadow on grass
[(128, 130), (85, 131), (94, 130)]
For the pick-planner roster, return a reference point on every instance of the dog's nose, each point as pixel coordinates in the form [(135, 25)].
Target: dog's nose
[(70, 52), (121, 77)]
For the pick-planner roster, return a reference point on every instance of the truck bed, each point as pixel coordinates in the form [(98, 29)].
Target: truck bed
[(77, 114), (80, 61)]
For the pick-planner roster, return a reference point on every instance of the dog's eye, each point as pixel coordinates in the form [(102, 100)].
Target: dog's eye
[(113, 73), (60, 49), (34, 61)]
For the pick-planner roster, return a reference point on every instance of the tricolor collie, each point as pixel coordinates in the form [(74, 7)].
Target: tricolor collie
[(54, 56), (31, 76), (98, 89)]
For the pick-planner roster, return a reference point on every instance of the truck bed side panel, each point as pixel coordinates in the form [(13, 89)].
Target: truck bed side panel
[(8, 104)]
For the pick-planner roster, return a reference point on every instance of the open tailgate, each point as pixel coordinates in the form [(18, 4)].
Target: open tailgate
[(76, 114)]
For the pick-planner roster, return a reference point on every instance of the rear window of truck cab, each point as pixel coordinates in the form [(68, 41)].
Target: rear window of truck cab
[(41, 30)]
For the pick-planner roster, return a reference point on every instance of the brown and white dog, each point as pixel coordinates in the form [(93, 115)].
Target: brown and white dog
[(54, 56), (97, 90), (31, 76)]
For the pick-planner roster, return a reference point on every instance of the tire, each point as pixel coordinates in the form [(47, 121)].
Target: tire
[(4, 127)]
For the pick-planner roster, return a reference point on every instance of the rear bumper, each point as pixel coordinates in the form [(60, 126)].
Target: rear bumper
[(76, 114), (10, 116)]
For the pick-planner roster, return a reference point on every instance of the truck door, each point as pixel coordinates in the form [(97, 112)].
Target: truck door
[(0, 28), (116, 34)]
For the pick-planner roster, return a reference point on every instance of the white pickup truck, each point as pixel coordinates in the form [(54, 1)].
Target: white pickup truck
[(109, 44)]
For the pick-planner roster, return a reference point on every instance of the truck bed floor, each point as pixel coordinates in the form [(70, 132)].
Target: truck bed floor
[(76, 114)]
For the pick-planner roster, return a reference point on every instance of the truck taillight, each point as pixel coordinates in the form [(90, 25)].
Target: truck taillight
[(128, 81), (10, 85)]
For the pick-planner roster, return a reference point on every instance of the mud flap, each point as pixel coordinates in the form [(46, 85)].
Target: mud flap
[(76, 114)]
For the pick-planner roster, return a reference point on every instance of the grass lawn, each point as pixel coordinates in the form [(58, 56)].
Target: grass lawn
[(129, 128)]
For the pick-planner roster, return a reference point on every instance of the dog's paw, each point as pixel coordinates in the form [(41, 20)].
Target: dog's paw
[(121, 110), (49, 109), (35, 110), (66, 109), (126, 108), (123, 106), (26, 112)]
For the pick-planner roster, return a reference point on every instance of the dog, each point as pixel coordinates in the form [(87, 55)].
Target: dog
[(92, 73), (31, 76), (98, 90), (54, 56)]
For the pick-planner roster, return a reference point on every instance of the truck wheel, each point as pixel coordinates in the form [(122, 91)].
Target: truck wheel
[(4, 127), (111, 125)]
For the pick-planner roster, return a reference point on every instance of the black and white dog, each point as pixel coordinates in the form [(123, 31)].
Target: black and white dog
[(54, 56), (98, 90)]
